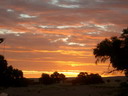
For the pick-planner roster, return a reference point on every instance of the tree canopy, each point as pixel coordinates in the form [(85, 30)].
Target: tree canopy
[(51, 79), (114, 49), (85, 78), (10, 76)]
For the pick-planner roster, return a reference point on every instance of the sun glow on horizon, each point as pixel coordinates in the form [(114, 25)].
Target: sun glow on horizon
[(37, 74), (67, 73)]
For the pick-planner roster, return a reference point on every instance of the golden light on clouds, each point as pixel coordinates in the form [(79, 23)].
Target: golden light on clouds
[(54, 35), (66, 52), (74, 64)]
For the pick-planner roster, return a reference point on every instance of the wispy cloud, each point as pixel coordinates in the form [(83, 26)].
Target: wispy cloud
[(26, 16), (58, 30)]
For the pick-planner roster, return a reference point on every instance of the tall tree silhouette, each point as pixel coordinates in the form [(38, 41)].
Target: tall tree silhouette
[(3, 69), (114, 49), (10, 76)]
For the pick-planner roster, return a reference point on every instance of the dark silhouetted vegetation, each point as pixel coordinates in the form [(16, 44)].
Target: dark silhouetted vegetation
[(114, 49), (85, 78), (10, 76), (57, 77), (47, 79)]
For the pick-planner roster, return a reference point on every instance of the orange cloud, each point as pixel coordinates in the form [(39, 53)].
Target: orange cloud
[(46, 36)]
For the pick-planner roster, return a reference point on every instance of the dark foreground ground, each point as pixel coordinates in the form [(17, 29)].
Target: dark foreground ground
[(68, 90), (111, 88)]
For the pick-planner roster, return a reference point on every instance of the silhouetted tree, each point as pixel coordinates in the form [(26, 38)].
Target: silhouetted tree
[(17, 74), (53, 78), (10, 76), (95, 79), (3, 69), (56, 77), (82, 78), (62, 77), (45, 79), (85, 78), (114, 49)]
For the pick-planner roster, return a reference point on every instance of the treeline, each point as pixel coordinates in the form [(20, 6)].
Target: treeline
[(83, 78), (10, 76)]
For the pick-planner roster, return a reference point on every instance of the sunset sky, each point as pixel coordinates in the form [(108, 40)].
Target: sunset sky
[(58, 35)]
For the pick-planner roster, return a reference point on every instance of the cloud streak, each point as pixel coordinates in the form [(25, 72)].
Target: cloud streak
[(45, 32)]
